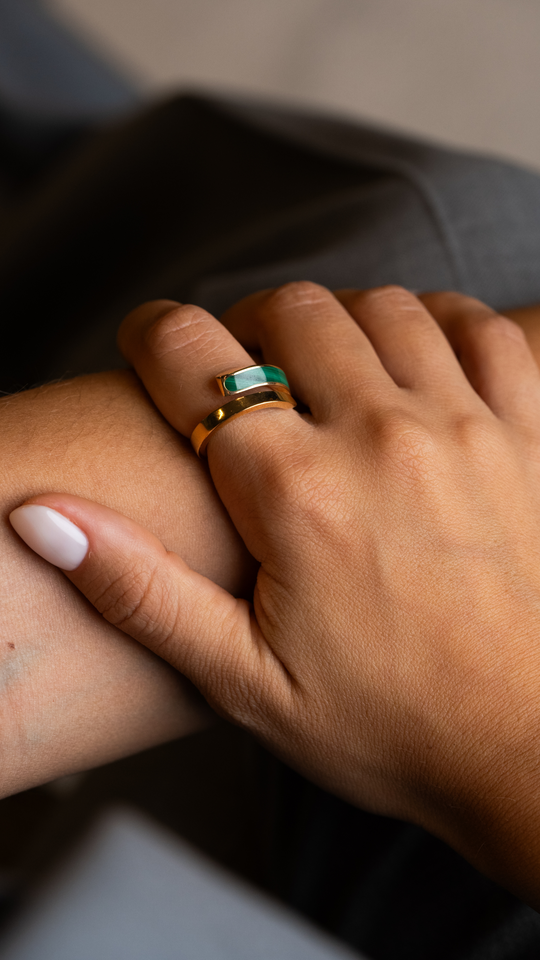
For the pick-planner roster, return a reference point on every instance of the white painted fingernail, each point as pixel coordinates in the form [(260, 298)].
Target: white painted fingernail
[(51, 535)]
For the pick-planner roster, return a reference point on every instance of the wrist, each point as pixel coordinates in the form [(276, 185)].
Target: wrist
[(101, 437), (487, 805), (498, 833)]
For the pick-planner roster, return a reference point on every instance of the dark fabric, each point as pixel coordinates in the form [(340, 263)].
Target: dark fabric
[(209, 200), (53, 89), (388, 888)]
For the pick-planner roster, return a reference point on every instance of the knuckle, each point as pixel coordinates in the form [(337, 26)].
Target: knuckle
[(278, 470), (417, 455), (234, 692), (405, 443), (177, 329), (140, 603), (235, 697), (469, 317), (274, 472), (449, 308), (389, 297), (316, 497), (446, 301), (491, 324), (475, 433), (322, 505), (300, 293)]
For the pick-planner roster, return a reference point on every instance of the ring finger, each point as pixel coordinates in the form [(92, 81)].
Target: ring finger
[(177, 351)]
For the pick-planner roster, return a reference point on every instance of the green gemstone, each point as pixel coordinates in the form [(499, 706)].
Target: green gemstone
[(254, 377)]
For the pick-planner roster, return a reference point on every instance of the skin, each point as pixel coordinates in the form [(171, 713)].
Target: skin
[(76, 692), (391, 650)]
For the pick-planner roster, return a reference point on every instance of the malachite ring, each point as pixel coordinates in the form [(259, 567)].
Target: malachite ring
[(280, 398), (234, 382)]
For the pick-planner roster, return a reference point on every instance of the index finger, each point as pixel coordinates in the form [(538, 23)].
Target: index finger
[(177, 350)]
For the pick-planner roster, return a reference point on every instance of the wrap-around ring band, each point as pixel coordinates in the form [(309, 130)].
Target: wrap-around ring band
[(235, 408), (235, 382)]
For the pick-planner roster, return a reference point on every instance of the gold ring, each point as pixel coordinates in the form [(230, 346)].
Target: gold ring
[(236, 408)]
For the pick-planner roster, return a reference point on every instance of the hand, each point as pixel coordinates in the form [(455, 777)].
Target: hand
[(76, 692), (390, 653)]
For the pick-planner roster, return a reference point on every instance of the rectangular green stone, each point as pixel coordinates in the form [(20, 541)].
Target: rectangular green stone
[(254, 377)]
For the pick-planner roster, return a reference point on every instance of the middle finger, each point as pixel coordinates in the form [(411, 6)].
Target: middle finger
[(177, 351), (330, 363)]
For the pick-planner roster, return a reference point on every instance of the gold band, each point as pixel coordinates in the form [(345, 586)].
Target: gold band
[(235, 408)]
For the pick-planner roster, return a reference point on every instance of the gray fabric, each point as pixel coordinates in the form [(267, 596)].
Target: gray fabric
[(419, 216), (453, 220), (135, 892), (45, 71), (386, 235)]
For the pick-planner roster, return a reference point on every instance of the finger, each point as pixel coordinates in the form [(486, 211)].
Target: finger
[(410, 344), (154, 597), (528, 318), (329, 360), (494, 354), (177, 351)]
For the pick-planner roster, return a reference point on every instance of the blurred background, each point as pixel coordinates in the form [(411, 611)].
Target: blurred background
[(462, 71)]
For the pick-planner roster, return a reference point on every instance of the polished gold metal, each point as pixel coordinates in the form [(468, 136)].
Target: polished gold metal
[(236, 408)]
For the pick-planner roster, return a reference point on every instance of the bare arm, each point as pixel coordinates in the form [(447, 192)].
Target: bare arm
[(391, 652), (76, 692)]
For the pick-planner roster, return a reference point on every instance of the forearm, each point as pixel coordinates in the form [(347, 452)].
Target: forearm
[(415, 695), (77, 692)]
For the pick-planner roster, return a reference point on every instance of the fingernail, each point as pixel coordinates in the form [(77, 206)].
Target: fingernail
[(51, 535)]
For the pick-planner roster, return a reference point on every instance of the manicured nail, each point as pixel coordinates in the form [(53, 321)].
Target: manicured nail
[(51, 535)]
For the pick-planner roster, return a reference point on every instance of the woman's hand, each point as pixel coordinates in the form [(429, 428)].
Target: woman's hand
[(76, 692), (391, 653)]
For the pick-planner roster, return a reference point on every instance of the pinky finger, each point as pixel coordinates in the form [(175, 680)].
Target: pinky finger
[(494, 354)]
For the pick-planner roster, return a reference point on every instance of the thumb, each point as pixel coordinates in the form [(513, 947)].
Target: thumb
[(150, 594)]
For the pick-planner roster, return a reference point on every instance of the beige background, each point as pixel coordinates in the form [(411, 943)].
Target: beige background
[(464, 71)]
